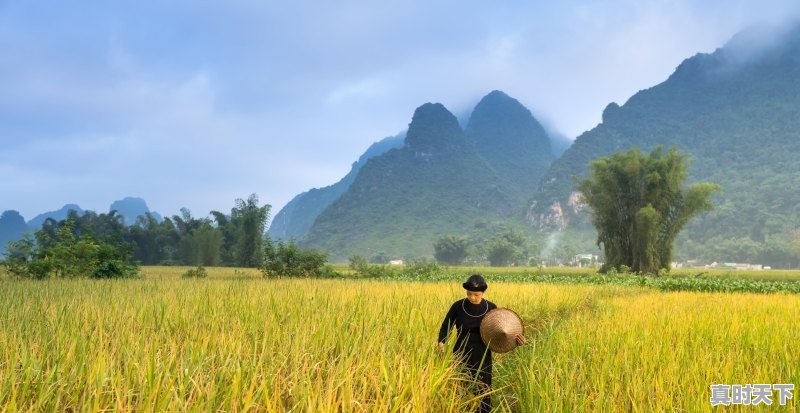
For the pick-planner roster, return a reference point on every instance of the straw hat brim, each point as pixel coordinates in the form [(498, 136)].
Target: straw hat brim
[(500, 328)]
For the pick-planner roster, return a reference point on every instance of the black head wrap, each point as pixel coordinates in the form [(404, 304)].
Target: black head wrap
[(475, 283)]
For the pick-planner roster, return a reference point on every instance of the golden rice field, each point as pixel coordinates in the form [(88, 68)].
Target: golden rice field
[(236, 342)]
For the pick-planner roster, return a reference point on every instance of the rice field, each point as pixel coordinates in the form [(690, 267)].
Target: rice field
[(236, 342)]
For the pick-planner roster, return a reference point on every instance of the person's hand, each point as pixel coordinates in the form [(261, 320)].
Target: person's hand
[(441, 347), (521, 339)]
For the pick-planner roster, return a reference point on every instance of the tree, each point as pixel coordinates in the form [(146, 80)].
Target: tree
[(638, 206), (287, 259), (796, 245), (228, 237), (500, 252), (60, 253), (186, 225), (250, 221), (209, 244), (451, 249), (506, 248), (156, 243)]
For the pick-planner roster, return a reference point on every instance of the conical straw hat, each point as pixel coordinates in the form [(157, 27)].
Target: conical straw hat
[(499, 329)]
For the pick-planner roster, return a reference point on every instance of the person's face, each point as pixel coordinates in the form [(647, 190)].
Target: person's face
[(475, 297)]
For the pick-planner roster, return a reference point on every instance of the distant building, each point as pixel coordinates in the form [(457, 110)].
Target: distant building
[(585, 260), (738, 266)]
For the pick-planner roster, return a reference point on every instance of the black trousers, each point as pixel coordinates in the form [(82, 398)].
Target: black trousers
[(478, 361)]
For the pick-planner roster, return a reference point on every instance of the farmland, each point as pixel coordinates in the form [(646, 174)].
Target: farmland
[(237, 342)]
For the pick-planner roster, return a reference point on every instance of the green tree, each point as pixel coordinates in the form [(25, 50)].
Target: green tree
[(156, 243), (209, 244), (500, 252), (250, 221), (450, 249), (186, 225), (287, 259), (506, 248), (638, 206), (60, 253), (228, 237)]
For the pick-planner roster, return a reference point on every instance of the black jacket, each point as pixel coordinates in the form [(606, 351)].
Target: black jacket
[(466, 317)]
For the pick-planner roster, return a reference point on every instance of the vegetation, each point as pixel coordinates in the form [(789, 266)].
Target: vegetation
[(439, 183), (370, 345), (639, 207), (199, 272), (234, 239), (362, 268), (451, 250), (75, 247), (738, 121), (295, 219), (512, 142), (505, 249), (763, 282), (286, 259)]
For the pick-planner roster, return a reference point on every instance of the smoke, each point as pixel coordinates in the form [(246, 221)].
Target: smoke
[(550, 244)]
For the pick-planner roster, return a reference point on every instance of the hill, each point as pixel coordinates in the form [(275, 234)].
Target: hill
[(512, 142), (441, 181), (12, 228), (58, 215), (295, 219), (131, 208), (736, 111)]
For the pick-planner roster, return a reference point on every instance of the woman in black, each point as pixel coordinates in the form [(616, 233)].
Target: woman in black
[(466, 315)]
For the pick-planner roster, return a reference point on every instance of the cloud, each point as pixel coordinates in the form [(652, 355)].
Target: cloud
[(196, 103)]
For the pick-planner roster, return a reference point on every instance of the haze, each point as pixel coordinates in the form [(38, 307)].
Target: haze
[(193, 104)]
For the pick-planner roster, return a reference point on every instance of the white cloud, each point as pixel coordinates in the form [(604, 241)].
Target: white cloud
[(190, 104)]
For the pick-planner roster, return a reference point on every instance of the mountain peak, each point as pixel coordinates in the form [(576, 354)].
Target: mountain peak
[(498, 96), (12, 228), (433, 127), (755, 46), (62, 213), (499, 120), (498, 106), (131, 208), (511, 140)]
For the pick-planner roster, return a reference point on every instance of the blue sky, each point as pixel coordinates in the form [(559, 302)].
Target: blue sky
[(196, 103)]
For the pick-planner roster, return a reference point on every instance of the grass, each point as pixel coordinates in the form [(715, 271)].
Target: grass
[(237, 342), (761, 275)]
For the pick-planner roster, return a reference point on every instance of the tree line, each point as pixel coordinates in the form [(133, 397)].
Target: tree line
[(506, 248), (234, 239), (101, 246)]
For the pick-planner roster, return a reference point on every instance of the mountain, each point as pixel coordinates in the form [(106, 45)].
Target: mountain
[(439, 182), (131, 208), (736, 111), (558, 142), (12, 228), (59, 215), (512, 141), (295, 219), (401, 200)]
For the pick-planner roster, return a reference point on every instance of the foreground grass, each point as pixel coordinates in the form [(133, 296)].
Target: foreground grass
[(237, 342)]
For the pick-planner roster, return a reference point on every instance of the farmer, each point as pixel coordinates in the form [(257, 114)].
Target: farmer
[(466, 315)]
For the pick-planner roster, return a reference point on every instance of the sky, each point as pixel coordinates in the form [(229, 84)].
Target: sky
[(197, 103)]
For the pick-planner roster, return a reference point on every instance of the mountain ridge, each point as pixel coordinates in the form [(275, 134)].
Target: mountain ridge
[(439, 182), (735, 111)]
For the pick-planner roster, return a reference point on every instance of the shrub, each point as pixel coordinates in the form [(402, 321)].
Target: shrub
[(69, 257), (422, 268), (287, 259), (360, 266), (199, 272)]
